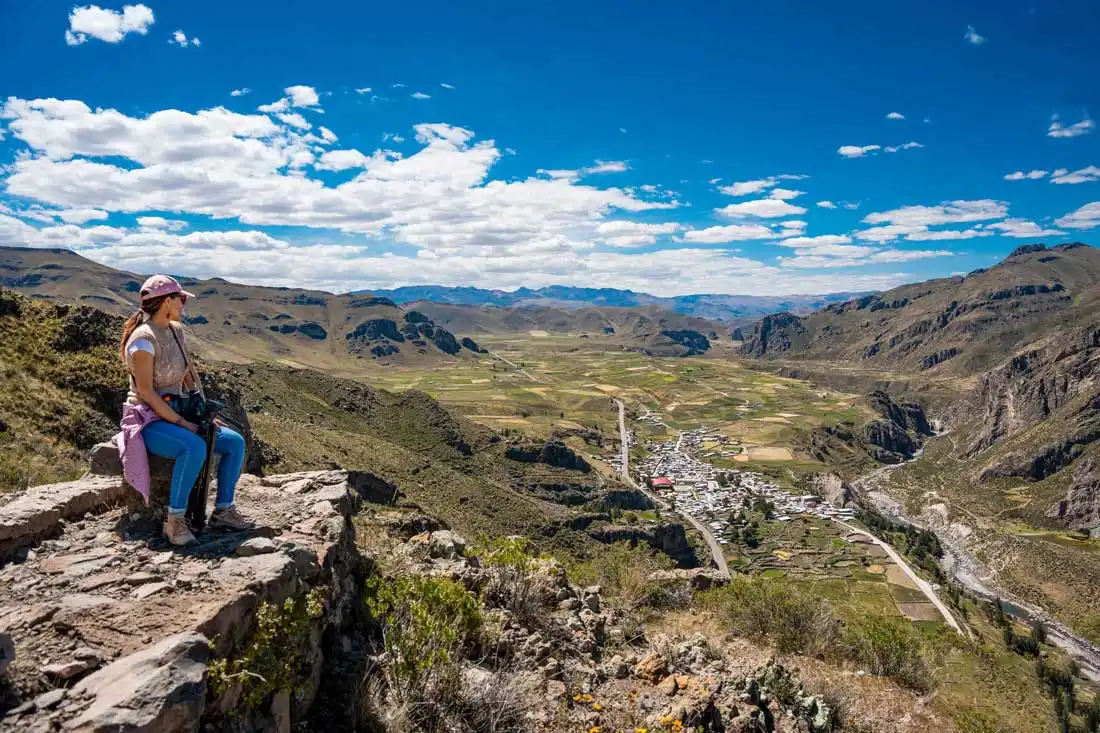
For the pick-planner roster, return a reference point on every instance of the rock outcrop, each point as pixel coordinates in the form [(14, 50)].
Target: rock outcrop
[(551, 453), (1081, 507), (774, 334), (693, 342), (895, 436), (831, 488), (1034, 384), (152, 621), (666, 537)]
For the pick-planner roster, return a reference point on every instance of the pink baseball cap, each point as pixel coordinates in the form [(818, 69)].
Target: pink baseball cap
[(161, 285)]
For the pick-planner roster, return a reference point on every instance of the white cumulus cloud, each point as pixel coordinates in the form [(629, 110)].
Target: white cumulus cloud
[(107, 25), (826, 204), (904, 146), (622, 233), (1022, 228), (420, 95), (761, 208), (895, 116), (857, 151), (1084, 175), (240, 92), (1029, 175), (1086, 217), (730, 233), (1057, 129), (608, 166)]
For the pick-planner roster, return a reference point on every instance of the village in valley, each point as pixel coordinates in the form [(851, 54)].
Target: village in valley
[(715, 496)]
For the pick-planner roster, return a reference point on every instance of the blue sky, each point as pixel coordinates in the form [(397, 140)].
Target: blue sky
[(696, 147)]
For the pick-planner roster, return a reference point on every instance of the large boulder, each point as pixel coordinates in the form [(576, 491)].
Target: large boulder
[(159, 690), (105, 461)]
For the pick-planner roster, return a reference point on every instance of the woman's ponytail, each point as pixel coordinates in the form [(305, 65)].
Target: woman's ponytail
[(131, 323), (148, 308)]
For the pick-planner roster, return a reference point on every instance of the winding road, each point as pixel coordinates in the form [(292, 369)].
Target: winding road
[(715, 548)]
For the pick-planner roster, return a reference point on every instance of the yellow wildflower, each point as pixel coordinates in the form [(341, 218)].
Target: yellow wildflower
[(594, 729), (596, 707), (641, 730), (677, 726)]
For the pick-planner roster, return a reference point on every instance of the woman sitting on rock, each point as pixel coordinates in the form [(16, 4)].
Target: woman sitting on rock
[(155, 352)]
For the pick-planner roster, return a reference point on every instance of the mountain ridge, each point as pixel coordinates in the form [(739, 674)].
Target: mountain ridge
[(712, 306)]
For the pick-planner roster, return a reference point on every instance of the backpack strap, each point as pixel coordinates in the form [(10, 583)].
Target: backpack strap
[(186, 360)]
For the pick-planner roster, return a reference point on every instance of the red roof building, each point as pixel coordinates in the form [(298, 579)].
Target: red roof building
[(661, 483)]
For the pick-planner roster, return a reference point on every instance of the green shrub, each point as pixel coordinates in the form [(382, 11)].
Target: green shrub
[(623, 573), (511, 584), (426, 624), (792, 619), (272, 660), (506, 552), (889, 648)]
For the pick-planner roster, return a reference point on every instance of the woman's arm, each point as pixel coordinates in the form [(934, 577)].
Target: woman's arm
[(142, 362)]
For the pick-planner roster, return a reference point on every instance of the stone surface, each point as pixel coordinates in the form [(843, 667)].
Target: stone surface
[(37, 512), (446, 544), (151, 589), (67, 670), (141, 579), (256, 546), (49, 700), (60, 596), (652, 668), (159, 690)]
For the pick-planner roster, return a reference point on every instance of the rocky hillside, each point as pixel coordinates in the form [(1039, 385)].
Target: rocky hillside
[(350, 610), (1021, 342), (243, 322), (956, 326), (895, 435), (649, 329)]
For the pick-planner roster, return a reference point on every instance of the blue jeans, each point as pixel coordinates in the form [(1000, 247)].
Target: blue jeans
[(189, 451)]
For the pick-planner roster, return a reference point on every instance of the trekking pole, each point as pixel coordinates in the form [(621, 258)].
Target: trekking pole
[(196, 502)]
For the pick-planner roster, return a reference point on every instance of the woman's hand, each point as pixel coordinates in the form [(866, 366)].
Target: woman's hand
[(187, 425)]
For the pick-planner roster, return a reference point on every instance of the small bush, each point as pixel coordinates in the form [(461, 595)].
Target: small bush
[(492, 705), (426, 624), (790, 618), (272, 659), (888, 648), (512, 583), (623, 574)]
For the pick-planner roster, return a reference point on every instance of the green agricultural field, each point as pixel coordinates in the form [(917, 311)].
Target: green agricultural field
[(562, 382)]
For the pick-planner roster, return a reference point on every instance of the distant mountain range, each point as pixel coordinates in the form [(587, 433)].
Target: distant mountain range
[(712, 307)]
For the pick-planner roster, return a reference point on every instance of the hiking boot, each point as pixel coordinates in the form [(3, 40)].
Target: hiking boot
[(230, 519), (177, 531)]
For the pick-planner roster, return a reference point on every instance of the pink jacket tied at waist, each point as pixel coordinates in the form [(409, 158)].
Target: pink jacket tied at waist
[(131, 447)]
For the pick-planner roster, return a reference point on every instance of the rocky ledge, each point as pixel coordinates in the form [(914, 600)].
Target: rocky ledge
[(114, 630)]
